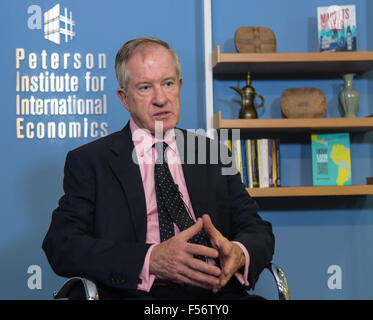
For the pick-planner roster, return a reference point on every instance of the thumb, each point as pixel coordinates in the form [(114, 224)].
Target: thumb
[(209, 227), (192, 231), (217, 239)]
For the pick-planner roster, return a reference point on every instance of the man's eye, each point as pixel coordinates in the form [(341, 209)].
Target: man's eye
[(144, 88), (169, 83)]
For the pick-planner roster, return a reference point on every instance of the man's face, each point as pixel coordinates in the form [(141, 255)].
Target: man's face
[(153, 90)]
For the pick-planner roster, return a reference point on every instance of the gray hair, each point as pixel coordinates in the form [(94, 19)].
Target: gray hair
[(126, 51)]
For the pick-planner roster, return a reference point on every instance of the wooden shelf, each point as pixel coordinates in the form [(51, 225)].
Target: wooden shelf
[(299, 63), (311, 191), (301, 125), (309, 64), (295, 125)]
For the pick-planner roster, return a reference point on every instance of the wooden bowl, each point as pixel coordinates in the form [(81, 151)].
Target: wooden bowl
[(255, 40), (303, 103)]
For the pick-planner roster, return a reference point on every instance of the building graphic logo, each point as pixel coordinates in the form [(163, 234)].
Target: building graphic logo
[(58, 26)]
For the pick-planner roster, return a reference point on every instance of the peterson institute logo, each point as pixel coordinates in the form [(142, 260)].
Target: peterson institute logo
[(58, 25), (59, 94)]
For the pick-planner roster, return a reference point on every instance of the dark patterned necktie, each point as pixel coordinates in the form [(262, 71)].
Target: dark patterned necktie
[(171, 207)]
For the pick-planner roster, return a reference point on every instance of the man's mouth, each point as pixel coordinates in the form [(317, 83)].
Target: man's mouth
[(161, 115)]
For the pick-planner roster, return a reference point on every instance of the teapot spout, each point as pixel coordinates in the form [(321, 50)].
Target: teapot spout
[(238, 90)]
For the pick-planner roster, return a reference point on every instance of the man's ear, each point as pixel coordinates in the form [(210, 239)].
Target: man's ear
[(123, 97)]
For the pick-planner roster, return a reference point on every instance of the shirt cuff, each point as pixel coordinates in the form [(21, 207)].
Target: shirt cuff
[(242, 277), (146, 279)]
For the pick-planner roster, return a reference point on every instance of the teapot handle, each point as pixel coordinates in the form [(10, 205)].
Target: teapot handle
[(260, 97)]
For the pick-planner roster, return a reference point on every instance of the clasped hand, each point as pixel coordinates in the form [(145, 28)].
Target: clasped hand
[(174, 259)]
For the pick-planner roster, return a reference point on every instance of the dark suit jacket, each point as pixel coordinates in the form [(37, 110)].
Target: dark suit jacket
[(99, 228)]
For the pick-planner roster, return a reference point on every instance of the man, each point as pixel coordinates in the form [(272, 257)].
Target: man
[(107, 226)]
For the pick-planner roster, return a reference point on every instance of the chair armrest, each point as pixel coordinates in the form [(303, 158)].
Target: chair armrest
[(90, 289), (281, 282)]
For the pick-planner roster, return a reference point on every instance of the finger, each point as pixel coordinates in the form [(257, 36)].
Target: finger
[(225, 276), (228, 267), (225, 246), (191, 231), (204, 267), (195, 277), (227, 272), (223, 280), (216, 289), (201, 250)]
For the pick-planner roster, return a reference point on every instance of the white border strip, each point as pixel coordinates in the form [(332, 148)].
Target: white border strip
[(209, 93)]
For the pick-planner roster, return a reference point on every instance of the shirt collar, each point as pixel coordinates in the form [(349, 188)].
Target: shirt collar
[(143, 140)]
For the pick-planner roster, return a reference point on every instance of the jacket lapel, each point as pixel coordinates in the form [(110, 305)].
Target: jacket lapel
[(128, 173)]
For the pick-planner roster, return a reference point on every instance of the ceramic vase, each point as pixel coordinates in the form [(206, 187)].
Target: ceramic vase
[(349, 97)]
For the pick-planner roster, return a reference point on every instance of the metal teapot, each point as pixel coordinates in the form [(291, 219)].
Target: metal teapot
[(248, 94)]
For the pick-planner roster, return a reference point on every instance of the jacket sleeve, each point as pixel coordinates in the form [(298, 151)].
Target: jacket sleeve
[(249, 228), (245, 224), (71, 244)]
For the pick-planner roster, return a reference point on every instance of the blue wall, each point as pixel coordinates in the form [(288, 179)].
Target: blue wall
[(311, 234)]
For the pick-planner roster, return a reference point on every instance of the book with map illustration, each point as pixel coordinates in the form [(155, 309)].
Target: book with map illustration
[(331, 159)]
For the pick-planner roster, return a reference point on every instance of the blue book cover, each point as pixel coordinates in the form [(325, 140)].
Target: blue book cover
[(336, 28), (331, 159)]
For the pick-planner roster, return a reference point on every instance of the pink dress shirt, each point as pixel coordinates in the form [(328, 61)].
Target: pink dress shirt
[(146, 155)]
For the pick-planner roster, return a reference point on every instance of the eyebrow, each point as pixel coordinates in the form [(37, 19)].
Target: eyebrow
[(174, 78)]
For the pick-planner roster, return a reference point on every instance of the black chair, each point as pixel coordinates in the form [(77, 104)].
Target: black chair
[(78, 287)]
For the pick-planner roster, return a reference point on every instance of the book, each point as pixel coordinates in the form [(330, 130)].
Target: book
[(236, 150), (229, 145), (243, 163), (232, 149), (259, 161), (277, 146), (270, 162), (262, 152), (249, 169), (331, 159), (336, 28), (254, 163)]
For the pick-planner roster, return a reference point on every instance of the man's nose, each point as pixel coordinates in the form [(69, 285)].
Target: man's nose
[(159, 96)]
